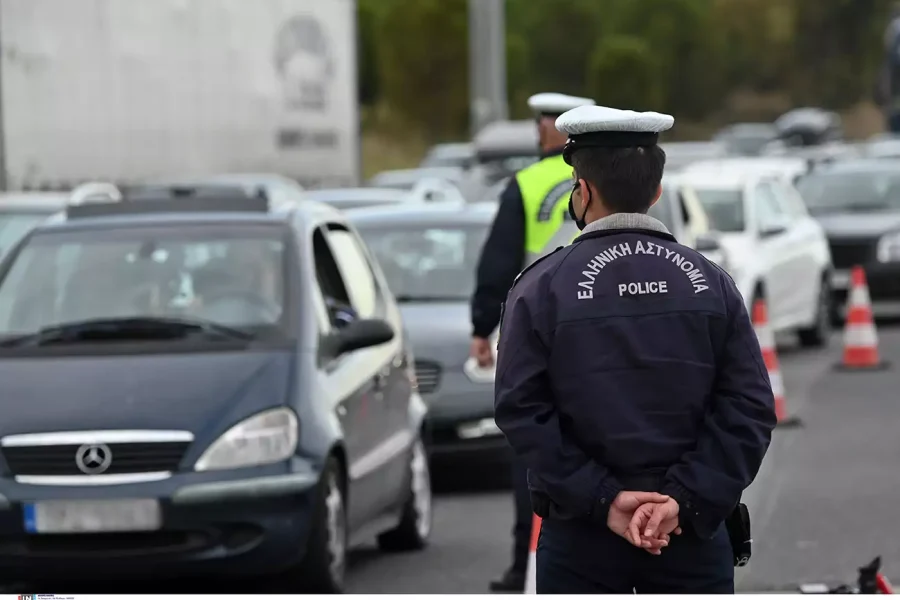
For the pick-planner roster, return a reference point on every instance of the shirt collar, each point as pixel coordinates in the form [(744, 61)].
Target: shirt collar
[(626, 221)]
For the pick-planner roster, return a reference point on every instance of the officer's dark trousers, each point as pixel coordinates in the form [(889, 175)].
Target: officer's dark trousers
[(574, 557), (524, 515)]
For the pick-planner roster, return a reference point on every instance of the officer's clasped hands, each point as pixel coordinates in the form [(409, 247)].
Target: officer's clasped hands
[(658, 520), (655, 513)]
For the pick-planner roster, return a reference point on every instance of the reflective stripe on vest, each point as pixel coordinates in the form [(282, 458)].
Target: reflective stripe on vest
[(545, 187)]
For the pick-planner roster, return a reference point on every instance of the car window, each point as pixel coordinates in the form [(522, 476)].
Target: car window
[(724, 208), (230, 276), (355, 271), (790, 199), (426, 263), (769, 210), (328, 274), (16, 225), (850, 192)]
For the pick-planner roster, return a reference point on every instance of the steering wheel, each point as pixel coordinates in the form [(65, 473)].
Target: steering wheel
[(269, 311)]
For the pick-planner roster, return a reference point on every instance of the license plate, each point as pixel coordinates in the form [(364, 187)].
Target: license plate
[(840, 279), (96, 516)]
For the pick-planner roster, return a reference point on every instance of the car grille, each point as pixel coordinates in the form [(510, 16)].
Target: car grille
[(143, 457), (849, 253), (428, 376)]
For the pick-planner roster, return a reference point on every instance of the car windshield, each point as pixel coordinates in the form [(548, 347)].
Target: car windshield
[(425, 263), (16, 225), (226, 275), (723, 207), (843, 192)]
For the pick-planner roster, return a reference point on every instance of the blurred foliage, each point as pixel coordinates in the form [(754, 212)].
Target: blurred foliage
[(700, 60)]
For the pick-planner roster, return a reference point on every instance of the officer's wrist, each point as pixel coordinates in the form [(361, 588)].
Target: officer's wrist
[(690, 510), (604, 496)]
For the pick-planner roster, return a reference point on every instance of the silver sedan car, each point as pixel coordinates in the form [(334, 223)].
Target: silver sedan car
[(428, 254)]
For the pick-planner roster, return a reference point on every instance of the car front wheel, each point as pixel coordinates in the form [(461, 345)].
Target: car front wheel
[(415, 525), (325, 562), (817, 336)]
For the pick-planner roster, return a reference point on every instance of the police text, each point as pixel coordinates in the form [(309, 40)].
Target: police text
[(643, 287)]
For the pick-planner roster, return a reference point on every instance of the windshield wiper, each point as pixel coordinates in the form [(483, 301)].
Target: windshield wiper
[(405, 299), (123, 329)]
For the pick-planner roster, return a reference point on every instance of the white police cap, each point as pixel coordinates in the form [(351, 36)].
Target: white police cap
[(556, 104), (604, 127)]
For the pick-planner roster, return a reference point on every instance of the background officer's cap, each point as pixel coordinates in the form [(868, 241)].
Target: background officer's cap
[(552, 104), (604, 127)]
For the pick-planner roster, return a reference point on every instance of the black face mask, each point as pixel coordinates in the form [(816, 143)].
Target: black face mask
[(579, 223)]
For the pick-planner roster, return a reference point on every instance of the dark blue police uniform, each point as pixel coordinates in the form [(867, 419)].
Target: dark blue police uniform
[(628, 362)]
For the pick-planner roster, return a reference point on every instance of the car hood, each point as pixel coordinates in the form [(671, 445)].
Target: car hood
[(859, 224), (201, 393), (439, 331), (736, 246)]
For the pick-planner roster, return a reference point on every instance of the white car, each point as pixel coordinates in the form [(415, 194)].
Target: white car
[(770, 246), (788, 168)]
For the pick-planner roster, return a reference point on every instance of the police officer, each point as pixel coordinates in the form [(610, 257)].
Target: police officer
[(630, 382), (530, 220)]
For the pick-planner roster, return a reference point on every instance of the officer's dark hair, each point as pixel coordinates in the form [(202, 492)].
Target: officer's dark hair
[(627, 178)]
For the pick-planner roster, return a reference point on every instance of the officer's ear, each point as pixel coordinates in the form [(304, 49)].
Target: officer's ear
[(584, 192), (657, 195)]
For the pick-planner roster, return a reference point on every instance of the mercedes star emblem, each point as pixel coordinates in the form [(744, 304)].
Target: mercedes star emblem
[(93, 459)]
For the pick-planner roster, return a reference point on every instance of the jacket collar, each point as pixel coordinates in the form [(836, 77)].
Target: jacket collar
[(626, 221)]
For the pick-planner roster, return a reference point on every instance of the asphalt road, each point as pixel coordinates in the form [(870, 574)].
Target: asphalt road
[(823, 504)]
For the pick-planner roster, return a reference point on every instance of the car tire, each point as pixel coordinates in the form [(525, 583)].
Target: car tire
[(819, 334), (324, 564), (415, 525)]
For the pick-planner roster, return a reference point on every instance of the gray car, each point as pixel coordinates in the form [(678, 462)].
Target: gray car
[(353, 198), (428, 254)]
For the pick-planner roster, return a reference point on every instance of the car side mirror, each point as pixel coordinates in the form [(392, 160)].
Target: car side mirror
[(707, 243), (772, 230), (363, 333)]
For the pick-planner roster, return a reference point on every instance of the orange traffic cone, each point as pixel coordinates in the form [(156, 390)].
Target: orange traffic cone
[(860, 337), (766, 338), (531, 572)]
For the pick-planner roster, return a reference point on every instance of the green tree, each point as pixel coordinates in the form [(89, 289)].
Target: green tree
[(367, 51), (622, 74), (423, 63)]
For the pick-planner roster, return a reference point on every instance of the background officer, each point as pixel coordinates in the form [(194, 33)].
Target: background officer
[(529, 221), (628, 366)]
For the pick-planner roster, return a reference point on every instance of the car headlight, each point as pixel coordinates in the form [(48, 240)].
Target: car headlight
[(479, 374), (265, 438), (889, 247)]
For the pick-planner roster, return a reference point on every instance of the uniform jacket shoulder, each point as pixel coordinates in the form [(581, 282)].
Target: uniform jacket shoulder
[(544, 263)]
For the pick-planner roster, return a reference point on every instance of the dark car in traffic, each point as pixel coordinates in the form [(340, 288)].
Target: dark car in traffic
[(203, 386), (858, 204), (428, 254)]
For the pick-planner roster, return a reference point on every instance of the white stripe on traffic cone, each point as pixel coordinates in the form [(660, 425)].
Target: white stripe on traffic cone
[(531, 572)]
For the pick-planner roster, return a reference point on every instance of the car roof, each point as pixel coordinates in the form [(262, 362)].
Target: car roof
[(732, 179), (750, 166), (243, 179), (435, 213), (862, 165), (358, 193), (507, 138), (49, 202), (311, 211), (384, 178), (451, 149)]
